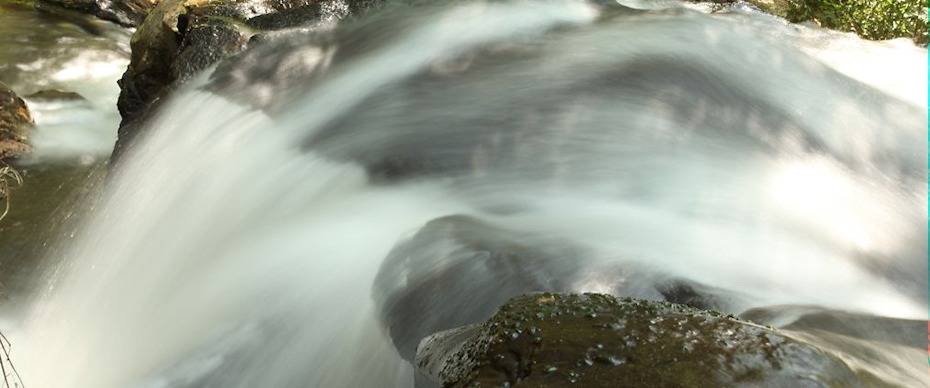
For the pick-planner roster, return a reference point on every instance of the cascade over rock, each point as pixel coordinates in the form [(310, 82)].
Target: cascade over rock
[(181, 38), (477, 266)]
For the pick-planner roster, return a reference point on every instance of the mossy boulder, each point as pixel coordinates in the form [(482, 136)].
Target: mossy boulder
[(594, 340), (15, 123)]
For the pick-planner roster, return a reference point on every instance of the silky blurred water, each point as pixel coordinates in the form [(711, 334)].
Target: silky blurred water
[(239, 248)]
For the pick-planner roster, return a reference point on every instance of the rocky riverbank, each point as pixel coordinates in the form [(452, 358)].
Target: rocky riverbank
[(15, 123)]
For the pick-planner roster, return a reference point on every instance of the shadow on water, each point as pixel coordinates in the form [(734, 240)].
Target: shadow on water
[(73, 60), (47, 207)]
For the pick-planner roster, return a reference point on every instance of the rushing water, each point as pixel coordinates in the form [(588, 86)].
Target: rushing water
[(237, 248)]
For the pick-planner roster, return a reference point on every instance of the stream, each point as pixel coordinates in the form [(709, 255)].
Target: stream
[(778, 170)]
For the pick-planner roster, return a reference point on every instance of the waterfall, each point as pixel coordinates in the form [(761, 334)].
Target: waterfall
[(239, 247)]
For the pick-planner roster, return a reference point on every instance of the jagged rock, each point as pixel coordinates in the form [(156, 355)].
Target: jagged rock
[(593, 340), (15, 122)]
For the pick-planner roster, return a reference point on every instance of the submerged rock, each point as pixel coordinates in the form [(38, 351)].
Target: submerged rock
[(15, 123), (56, 94), (127, 13), (850, 324), (457, 270), (594, 340)]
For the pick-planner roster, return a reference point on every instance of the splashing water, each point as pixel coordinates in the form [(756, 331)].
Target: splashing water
[(238, 248)]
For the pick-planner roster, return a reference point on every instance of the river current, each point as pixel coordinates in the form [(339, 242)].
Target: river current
[(777, 170)]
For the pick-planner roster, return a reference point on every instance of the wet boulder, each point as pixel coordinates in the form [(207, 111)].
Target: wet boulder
[(594, 340), (15, 123), (181, 38), (160, 52)]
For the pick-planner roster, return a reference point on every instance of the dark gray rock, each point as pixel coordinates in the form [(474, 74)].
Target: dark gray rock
[(149, 74), (178, 39), (181, 38), (206, 40)]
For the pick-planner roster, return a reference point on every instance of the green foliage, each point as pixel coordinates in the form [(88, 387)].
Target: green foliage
[(870, 19)]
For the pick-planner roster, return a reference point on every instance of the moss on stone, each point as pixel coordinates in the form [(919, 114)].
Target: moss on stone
[(593, 340)]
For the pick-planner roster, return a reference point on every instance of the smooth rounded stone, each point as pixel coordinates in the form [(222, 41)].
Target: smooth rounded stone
[(56, 94), (258, 77), (595, 340), (457, 270), (296, 46), (15, 123), (127, 13)]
